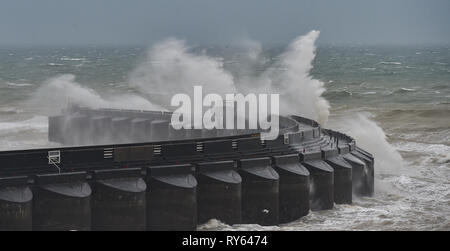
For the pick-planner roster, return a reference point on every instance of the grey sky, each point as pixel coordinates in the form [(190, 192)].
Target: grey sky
[(120, 22)]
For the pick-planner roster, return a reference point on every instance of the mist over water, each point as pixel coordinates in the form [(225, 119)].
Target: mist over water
[(172, 67), (372, 138), (393, 101), (61, 91)]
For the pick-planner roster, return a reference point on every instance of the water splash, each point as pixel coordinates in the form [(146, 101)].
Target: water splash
[(300, 92), (171, 67), (57, 92), (372, 138)]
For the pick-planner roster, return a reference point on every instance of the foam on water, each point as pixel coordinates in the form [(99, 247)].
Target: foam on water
[(18, 84), (405, 129), (372, 138), (62, 90), (179, 69), (24, 133), (37, 123)]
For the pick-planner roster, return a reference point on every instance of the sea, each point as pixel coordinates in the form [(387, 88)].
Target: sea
[(394, 100)]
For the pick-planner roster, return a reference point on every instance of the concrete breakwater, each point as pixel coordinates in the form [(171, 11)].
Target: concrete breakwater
[(134, 172)]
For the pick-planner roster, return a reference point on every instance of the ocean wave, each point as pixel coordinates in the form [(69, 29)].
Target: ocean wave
[(439, 135), (390, 63), (415, 113), (434, 153), (405, 90), (338, 93), (72, 59), (55, 64), (18, 84), (38, 123), (441, 86), (8, 111)]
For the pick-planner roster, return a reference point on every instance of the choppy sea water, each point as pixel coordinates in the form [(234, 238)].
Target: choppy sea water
[(394, 100)]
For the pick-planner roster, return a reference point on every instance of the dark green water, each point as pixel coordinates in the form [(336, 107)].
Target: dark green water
[(394, 100)]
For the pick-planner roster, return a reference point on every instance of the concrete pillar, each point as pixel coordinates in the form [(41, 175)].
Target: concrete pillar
[(175, 134), (101, 130), (321, 180), (171, 198), (121, 130), (294, 187), (140, 130), (62, 202), (219, 192), (368, 187), (118, 200), (358, 170), (16, 201), (342, 176), (260, 187), (57, 128), (159, 130)]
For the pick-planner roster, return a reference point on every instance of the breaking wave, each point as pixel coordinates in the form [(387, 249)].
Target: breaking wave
[(58, 92)]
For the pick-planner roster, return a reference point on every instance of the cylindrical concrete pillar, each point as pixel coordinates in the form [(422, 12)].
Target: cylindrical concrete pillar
[(77, 130), (100, 130), (176, 134), (62, 202), (342, 176), (219, 192), (57, 128), (171, 198), (16, 201), (294, 187), (358, 171), (159, 130), (121, 130), (140, 130), (260, 187), (368, 187), (118, 200), (321, 181)]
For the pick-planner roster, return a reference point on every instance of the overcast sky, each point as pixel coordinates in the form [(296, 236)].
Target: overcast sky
[(142, 22)]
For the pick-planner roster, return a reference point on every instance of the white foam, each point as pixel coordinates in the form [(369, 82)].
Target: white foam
[(55, 64), (372, 138), (71, 59), (171, 67), (440, 151), (38, 123), (390, 63), (18, 84), (56, 93)]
